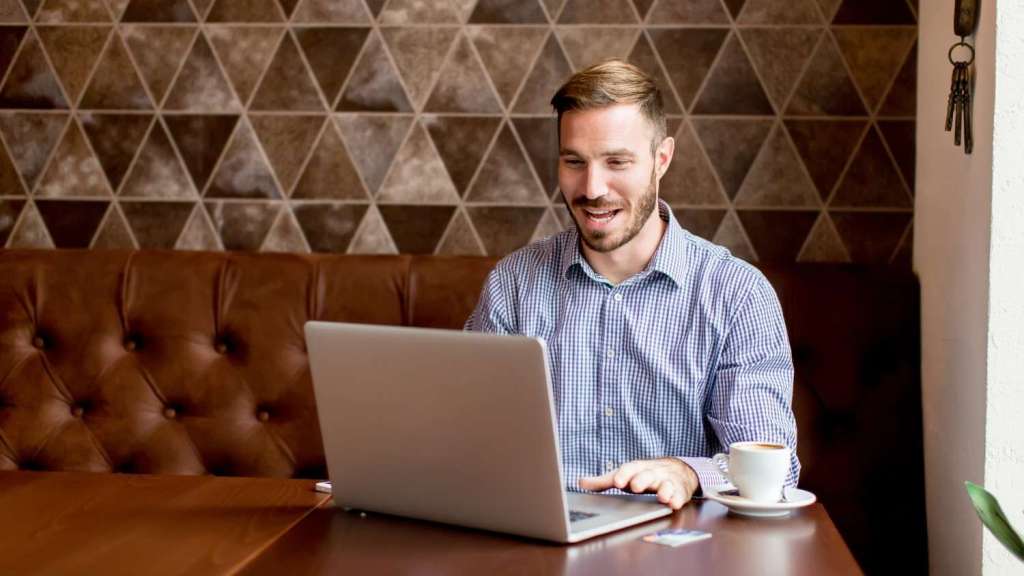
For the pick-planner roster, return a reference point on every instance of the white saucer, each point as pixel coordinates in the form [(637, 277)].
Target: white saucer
[(796, 498)]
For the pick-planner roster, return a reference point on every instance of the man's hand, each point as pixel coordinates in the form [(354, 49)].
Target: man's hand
[(672, 479)]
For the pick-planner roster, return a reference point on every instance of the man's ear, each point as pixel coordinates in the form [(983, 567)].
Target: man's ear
[(663, 155)]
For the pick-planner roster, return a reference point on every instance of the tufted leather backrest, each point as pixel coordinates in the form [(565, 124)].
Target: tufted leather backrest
[(192, 363)]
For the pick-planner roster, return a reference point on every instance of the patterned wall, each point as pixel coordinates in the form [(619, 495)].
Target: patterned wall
[(419, 126)]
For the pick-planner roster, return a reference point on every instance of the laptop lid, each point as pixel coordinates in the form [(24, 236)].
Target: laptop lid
[(440, 425)]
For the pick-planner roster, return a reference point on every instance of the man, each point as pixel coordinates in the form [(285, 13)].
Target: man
[(664, 348)]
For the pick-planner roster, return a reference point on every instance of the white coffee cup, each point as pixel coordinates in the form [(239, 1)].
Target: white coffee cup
[(757, 469)]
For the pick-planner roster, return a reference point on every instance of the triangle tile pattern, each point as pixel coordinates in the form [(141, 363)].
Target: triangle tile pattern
[(823, 243), (549, 72), (375, 6), (779, 54), (553, 7), (902, 140), (540, 138), (902, 98), (245, 53), (114, 84), (825, 89), (688, 55), (418, 175), (586, 46), (329, 227), (506, 176), (461, 141), (201, 86), (73, 170), (200, 140), (643, 56), (10, 183), (287, 84), (461, 238), (62, 11), (871, 179), (30, 138), (374, 141), (507, 54), (903, 258), (419, 54), (597, 12), (404, 12), (330, 173), (642, 7), (157, 172), (374, 85), (243, 172), (873, 12), (690, 12), (462, 85), (416, 229), (31, 82), (71, 223), (463, 8), (331, 52), (158, 11), (507, 12), (157, 224), (288, 6), (828, 8), (777, 235), (503, 229), (732, 86), (245, 11), (287, 141), (113, 233), (373, 236), (285, 235), (242, 225), (117, 8), (9, 212), (774, 12), (158, 51), (11, 13), (826, 147), (702, 222), (73, 50), (202, 7), (547, 227), (198, 233), (874, 56), (871, 237), (690, 179), (333, 11), (735, 6), (732, 145), (31, 7), (10, 39), (731, 235), (30, 231), (777, 177)]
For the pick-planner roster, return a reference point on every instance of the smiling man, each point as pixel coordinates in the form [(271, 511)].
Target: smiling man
[(664, 348)]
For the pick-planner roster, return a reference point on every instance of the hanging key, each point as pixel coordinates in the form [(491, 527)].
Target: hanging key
[(950, 107), (965, 98), (958, 115)]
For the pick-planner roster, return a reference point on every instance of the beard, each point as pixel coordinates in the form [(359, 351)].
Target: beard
[(607, 241)]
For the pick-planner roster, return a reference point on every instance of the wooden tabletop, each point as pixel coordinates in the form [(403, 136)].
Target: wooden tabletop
[(85, 523), (333, 541)]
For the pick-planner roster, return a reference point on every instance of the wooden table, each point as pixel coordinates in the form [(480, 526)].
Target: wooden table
[(78, 523)]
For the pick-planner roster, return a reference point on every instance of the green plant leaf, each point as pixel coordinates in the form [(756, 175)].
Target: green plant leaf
[(991, 514)]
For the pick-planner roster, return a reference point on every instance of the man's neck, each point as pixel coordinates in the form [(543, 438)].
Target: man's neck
[(630, 258)]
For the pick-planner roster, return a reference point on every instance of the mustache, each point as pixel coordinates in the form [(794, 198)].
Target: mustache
[(595, 204)]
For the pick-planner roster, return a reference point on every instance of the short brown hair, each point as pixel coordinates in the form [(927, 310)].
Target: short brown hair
[(613, 81)]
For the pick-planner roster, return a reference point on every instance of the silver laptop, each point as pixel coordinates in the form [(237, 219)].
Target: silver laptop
[(452, 427)]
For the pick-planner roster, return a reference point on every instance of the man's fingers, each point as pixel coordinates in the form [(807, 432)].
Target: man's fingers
[(597, 483), (666, 490), (625, 473), (643, 481)]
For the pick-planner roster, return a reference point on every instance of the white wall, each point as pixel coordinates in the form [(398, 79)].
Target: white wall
[(969, 225)]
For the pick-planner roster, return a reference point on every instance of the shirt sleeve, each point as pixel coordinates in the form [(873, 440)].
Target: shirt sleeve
[(492, 313), (751, 399), (708, 474)]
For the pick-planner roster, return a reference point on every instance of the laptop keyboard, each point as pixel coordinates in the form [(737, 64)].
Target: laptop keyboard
[(576, 515)]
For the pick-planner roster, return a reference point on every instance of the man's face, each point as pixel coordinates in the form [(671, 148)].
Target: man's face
[(608, 174)]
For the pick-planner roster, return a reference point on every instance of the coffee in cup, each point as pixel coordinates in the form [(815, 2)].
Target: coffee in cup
[(757, 469)]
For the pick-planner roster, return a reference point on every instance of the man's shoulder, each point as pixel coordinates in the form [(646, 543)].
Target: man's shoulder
[(716, 267), (541, 256)]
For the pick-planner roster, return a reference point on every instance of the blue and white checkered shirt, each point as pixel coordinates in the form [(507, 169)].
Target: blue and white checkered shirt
[(681, 359)]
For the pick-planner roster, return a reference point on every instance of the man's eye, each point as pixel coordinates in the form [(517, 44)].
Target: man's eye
[(618, 164), (573, 162)]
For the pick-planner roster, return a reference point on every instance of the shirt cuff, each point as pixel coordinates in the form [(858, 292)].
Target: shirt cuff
[(708, 474)]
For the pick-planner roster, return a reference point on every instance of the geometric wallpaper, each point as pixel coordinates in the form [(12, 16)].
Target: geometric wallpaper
[(423, 126)]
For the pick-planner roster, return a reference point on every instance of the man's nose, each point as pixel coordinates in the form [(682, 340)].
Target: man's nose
[(595, 185)]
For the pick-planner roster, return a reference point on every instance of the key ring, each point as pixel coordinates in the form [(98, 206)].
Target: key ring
[(965, 45)]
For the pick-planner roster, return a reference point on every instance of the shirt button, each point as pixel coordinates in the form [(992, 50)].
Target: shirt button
[(609, 466), (611, 353), (618, 297), (609, 412)]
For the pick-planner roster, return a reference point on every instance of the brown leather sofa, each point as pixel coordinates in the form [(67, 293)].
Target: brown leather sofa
[(194, 363)]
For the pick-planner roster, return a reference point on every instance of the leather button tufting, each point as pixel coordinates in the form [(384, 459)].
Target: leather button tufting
[(263, 415), (130, 345), (38, 342), (77, 411), (170, 413), (221, 347)]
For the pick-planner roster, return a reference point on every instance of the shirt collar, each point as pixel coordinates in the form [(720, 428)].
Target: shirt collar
[(669, 258)]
